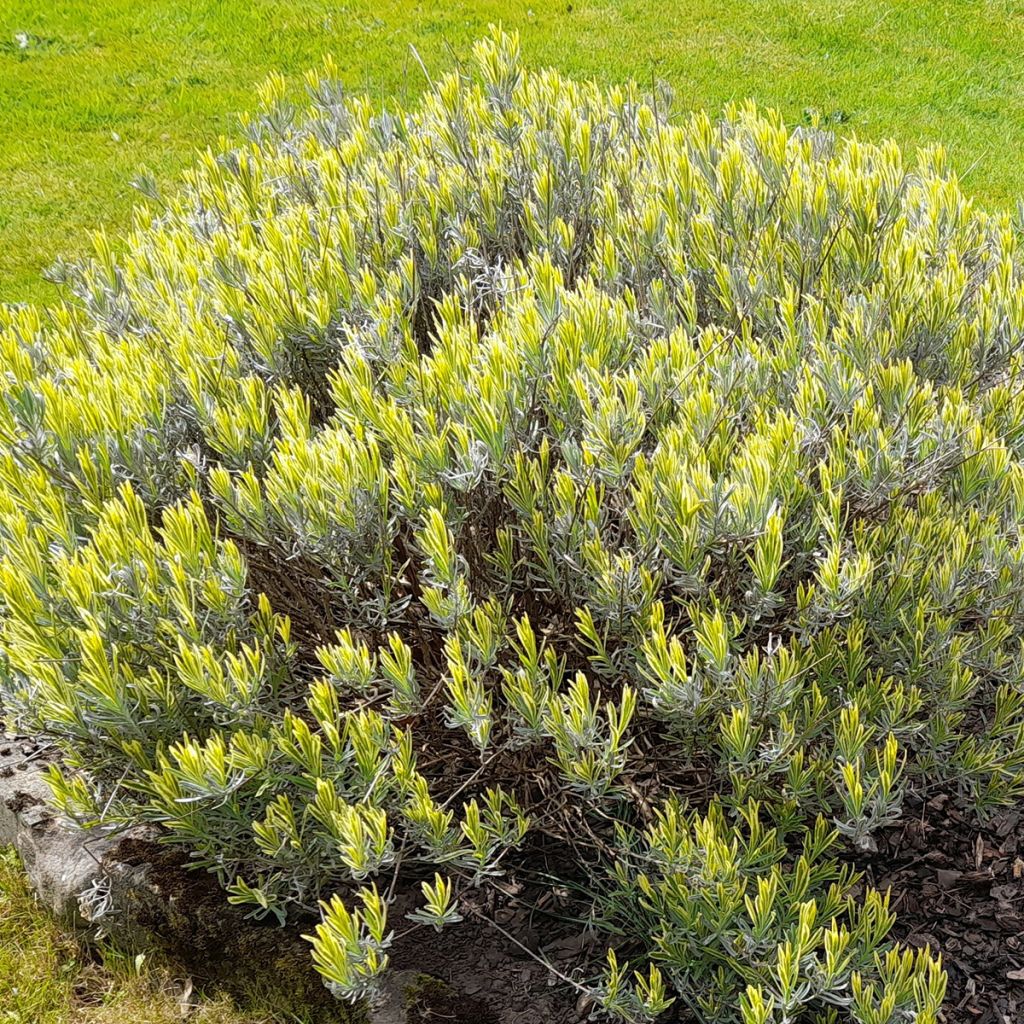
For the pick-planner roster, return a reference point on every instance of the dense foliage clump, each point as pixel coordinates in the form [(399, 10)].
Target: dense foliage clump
[(421, 489)]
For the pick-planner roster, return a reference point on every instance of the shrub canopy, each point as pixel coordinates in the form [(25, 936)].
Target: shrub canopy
[(419, 487)]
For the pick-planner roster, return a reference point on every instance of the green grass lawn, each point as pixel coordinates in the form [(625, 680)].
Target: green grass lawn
[(91, 91)]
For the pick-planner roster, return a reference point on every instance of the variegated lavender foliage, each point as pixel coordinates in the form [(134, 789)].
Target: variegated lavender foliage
[(534, 467)]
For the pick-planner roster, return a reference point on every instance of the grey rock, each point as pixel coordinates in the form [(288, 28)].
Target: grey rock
[(61, 861)]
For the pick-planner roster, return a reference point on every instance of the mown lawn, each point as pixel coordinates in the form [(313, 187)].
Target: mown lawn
[(91, 90)]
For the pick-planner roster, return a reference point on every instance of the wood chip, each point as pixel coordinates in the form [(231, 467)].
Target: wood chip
[(947, 877)]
